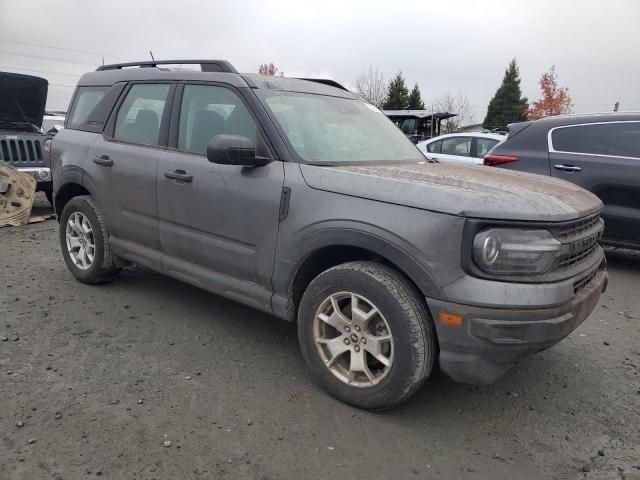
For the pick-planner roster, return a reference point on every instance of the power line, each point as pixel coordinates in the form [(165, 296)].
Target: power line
[(61, 48), (93, 64), (42, 71)]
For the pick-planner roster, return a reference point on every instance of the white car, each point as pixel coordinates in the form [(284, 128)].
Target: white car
[(469, 148)]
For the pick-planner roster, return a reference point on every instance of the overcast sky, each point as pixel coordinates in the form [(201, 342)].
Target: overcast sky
[(445, 46)]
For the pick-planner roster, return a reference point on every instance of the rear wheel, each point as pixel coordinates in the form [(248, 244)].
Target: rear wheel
[(84, 241), (366, 335)]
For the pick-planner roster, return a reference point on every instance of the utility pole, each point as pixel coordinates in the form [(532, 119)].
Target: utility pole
[(431, 122), (616, 106)]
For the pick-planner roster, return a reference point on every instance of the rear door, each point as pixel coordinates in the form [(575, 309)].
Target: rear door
[(605, 159), (218, 223), (123, 164)]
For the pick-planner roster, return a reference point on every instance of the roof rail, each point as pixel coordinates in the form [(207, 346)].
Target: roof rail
[(205, 65), (325, 81)]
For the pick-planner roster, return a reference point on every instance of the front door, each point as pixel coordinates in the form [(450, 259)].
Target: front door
[(605, 159), (218, 223), (123, 167)]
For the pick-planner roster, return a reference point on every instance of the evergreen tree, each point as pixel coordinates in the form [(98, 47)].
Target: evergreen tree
[(397, 95), (507, 105), (415, 99)]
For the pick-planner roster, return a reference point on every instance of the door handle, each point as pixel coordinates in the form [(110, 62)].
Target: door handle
[(179, 175), (568, 168), (103, 160)]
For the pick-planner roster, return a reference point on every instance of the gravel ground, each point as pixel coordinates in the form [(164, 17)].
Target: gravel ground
[(148, 378)]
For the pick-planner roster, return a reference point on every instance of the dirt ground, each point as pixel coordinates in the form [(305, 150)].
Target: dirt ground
[(149, 378)]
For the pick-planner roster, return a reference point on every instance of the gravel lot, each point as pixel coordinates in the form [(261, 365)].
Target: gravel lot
[(148, 378)]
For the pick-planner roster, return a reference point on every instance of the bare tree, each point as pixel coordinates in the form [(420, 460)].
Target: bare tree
[(458, 104), (372, 86)]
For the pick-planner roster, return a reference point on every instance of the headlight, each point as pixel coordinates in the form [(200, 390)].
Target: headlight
[(505, 251)]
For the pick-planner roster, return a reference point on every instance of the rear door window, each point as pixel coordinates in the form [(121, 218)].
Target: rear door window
[(459, 146), (140, 115), (86, 99)]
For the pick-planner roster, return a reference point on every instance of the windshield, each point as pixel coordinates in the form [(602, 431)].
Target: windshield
[(323, 129)]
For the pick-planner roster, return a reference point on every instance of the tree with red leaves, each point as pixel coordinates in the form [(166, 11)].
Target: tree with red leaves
[(555, 100), (269, 69)]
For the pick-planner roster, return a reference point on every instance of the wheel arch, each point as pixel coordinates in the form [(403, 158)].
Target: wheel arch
[(334, 248), (65, 193)]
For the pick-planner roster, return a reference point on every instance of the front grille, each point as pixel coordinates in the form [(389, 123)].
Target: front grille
[(578, 228), (583, 282), (579, 240), (20, 150)]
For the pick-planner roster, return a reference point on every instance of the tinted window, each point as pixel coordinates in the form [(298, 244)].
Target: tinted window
[(460, 146), (140, 115), (566, 139), (619, 139), (483, 145), (208, 111), (85, 101), (434, 147)]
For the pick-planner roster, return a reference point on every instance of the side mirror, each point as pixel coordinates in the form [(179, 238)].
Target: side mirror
[(234, 150)]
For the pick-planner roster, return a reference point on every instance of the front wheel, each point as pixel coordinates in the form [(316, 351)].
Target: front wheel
[(366, 335), (84, 241)]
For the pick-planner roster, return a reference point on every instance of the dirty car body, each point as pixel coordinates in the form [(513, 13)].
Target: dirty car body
[(22, 142), (314, 222)]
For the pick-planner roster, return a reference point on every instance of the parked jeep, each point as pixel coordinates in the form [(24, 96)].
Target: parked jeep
[(22, 141), (298, 198)]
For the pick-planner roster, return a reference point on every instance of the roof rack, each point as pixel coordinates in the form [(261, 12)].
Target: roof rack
[(205, 65)]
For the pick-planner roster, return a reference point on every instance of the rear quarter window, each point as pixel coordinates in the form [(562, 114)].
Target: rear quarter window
[(566, 139), (85, 101), (434, 147)]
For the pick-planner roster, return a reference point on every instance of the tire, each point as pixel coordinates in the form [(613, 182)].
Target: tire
[(101, 267), (411, 350)]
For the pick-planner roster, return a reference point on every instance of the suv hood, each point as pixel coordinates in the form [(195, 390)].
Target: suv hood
[(468, 191), (22, 100)]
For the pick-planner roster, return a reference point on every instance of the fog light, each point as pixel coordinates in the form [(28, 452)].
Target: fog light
[(43, 174)]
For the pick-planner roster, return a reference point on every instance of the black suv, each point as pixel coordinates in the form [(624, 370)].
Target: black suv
[(300, 199), (599, 152)]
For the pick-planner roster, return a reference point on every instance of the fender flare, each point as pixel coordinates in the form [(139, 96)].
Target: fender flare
[(390, 247)]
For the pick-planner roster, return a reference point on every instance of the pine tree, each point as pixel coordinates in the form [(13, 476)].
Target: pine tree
[(415, 99), (397, 95), (507, 105)]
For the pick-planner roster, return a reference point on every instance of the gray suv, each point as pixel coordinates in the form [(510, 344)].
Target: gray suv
[(298, 198)]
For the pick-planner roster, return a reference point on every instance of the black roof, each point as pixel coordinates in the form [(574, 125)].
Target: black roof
[(210, 70)]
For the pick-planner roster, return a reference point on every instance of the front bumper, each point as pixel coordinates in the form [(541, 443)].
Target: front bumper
[(490, 340), (41, 174)]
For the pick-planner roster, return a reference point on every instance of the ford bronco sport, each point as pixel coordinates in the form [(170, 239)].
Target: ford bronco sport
[(298, 198)]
